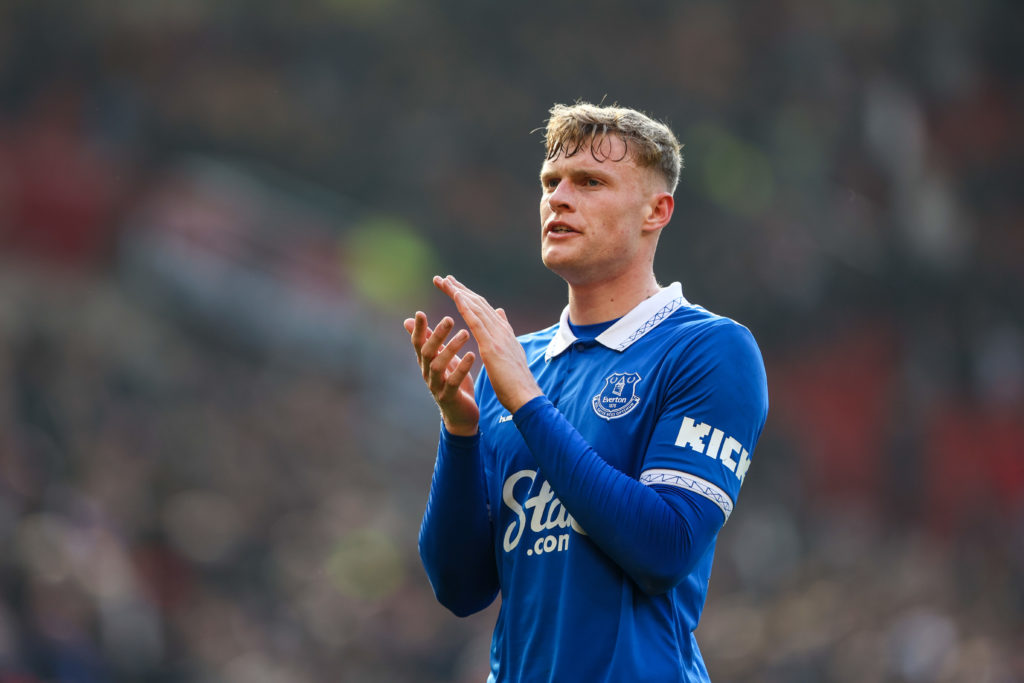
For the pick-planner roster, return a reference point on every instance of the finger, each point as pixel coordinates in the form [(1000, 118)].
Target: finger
[(446, 286), (478, 306), (469, 311), (449, 285), (410, 326), (418, 335), (453, 383), (434, 343), (473, 295), (501, 312), (453, 363), (419, 331), (450, 351), (439, 365), (456, 286), (453, 288)]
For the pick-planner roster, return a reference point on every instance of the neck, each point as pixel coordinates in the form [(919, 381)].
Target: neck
[(598, 302)]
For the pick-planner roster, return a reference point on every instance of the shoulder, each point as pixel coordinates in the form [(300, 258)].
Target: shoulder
[(714, 361), (698, 328), (706, 348)]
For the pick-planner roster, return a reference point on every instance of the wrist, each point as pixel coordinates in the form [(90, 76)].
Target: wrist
[(459, 429), (521, 398)]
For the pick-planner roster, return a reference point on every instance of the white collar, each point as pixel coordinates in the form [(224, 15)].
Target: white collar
[(647, 315)]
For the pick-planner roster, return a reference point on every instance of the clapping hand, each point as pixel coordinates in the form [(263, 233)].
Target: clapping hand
[(500, 351), (445, 372)]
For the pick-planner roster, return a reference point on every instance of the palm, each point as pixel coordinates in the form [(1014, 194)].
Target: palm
[(462, 407)]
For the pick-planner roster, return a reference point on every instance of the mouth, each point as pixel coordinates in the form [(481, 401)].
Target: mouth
[(559, 228)]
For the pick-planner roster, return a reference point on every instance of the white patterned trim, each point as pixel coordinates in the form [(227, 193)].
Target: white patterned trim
[(651, 323), (690, 483)]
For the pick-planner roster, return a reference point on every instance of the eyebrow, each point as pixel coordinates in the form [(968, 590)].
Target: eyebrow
[(574, 173)]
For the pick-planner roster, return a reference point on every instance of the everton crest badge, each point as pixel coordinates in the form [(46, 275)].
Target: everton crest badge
[(618, 395)]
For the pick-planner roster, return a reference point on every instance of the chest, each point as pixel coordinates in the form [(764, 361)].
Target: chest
[(612, 399)]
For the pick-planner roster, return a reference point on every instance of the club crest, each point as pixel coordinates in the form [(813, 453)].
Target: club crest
[(618, 395)]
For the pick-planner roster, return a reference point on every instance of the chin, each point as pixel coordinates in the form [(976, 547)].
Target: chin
[(554, 262), (565, 268)]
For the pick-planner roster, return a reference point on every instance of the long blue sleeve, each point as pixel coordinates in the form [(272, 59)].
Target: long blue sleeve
[(654, 533), (456, 540)]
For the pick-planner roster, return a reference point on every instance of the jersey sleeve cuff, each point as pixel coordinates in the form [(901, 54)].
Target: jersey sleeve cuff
[(528, 409), (456, 443)]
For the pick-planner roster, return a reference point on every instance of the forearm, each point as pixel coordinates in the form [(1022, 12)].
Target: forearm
[(455, 540), (655, 535)]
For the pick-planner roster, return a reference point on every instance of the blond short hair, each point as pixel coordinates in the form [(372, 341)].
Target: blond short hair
[(580, 126)]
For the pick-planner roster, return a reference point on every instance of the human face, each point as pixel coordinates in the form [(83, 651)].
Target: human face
[(595, 215)]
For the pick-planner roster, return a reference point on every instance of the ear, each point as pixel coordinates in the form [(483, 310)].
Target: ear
[(659, 211)]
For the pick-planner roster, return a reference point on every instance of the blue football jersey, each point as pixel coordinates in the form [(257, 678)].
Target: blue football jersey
[(671, 395)]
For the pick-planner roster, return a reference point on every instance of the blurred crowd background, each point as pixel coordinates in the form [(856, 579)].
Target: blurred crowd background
[(214, 445)]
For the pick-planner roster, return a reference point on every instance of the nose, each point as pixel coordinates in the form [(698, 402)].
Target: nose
[(561, 198)]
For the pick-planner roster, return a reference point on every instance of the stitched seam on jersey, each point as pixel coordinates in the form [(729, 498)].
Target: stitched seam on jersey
[(652, 322), (690, 482)]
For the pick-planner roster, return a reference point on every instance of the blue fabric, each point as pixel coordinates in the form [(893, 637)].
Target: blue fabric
[(601, 501), (590, 332), (455, 541), (655, 534)]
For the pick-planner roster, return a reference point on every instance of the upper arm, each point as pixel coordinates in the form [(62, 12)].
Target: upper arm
[(715, 407)]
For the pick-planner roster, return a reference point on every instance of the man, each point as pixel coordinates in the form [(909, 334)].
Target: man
[(588, 472)]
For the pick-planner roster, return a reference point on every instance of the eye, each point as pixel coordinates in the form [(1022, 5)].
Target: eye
[(549, 183), (592, 182)]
